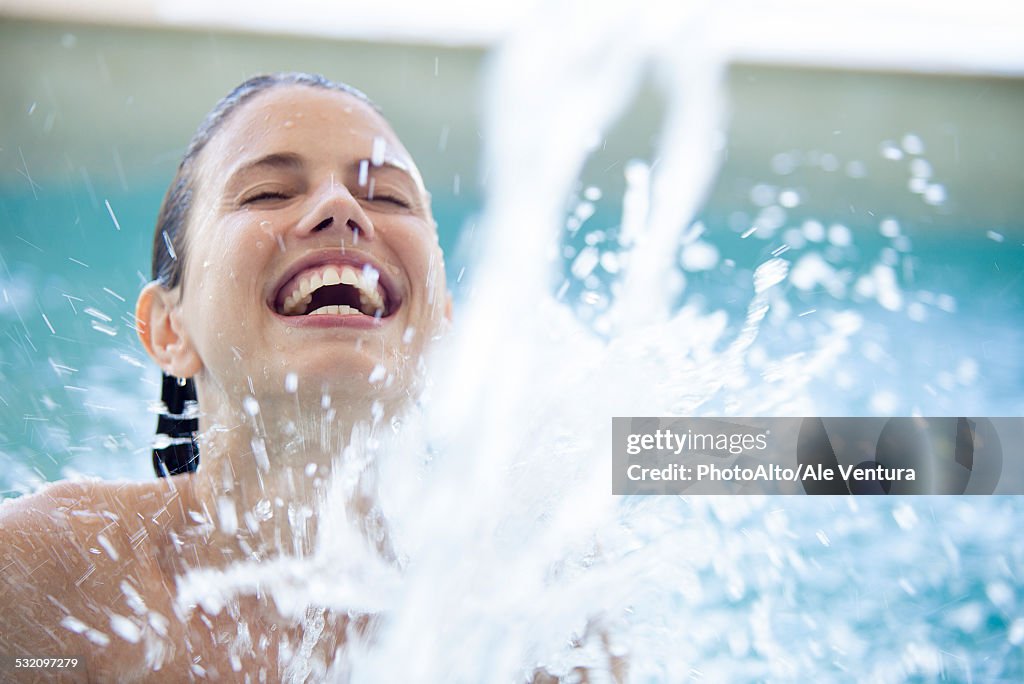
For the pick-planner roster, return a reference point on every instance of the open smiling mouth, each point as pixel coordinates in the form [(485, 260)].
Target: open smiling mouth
[(341, 290)]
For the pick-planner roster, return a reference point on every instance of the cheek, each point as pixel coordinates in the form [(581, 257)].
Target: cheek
[(226, 277), (426, 259), (235, 252)]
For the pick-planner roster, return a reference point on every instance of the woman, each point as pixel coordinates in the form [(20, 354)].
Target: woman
[(298, 281)]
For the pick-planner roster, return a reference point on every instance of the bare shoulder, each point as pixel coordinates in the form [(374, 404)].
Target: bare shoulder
[(46, 501), (67, 526), (32, 526), (64, 553), (69, 507)]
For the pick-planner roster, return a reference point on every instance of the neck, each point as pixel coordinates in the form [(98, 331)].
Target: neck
[(266, 469)]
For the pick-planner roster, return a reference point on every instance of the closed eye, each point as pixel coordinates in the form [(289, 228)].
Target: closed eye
[(266, 195), (390, 199)]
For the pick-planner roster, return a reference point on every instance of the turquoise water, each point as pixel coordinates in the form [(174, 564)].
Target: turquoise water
[(833, 590)]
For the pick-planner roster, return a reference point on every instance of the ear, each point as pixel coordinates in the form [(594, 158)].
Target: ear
[(448, 306), (162, 334)]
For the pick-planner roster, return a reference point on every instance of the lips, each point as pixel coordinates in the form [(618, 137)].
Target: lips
[(328, 285)]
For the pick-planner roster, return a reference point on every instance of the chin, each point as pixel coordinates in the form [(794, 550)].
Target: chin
[(350, 378)]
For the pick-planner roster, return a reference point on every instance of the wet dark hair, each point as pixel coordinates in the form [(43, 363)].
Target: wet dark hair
[(176, 450)]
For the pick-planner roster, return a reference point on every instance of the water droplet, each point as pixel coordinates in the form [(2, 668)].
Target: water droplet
[(251, 406), (378, 373), (789, 198), (795, 238), (967, 371), (263, 510), (259, 453), (125, 628), (1015, 635), (227, 514), (700, 256), (73, 624), (370, 276), (610, 262), (889, 227), (379, 147), (905, 516), (912, 144), (839, 235), (784, 163), (770, 219), (814, 230), (583, 211), (170, 246), (762, 194), (920, 168), (585, 262), (935, 194), (770, 273), (884, 403), (917, 185), (890, 150)]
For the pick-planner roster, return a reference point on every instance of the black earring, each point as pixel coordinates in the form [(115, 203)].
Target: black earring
[(179, 452)]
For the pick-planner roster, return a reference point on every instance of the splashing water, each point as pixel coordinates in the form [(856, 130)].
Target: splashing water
[(511, 554)]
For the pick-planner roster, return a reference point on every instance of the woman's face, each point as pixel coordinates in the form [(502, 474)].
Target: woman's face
[(311, 250)]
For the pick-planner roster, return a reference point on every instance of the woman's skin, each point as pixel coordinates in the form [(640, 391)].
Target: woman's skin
[(297, 177)]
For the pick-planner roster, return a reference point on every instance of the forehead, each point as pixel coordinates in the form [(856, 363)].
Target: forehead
[(304, 120)]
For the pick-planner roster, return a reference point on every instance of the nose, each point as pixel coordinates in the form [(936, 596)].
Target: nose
[(334, 206)]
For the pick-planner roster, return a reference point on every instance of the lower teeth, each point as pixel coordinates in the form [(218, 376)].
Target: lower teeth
[(343, 309)]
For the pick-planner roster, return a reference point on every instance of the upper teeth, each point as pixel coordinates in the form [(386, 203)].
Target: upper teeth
[(370, 297)]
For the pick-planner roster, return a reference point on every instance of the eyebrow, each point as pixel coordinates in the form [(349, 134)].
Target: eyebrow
[(277, 160), (393, 164), (389, 164)]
